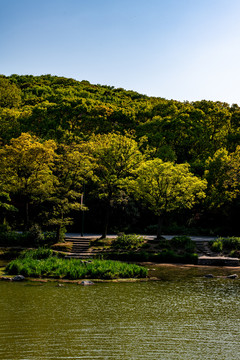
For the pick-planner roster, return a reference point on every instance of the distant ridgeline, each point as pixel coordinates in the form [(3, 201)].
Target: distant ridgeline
[(204, 134), (50, 106)]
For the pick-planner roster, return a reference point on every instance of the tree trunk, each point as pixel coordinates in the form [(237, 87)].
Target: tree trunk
[(106, 221), (58, 232), (26, 218), (159, 227)]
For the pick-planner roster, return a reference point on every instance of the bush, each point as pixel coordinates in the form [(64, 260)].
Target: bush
[(33, 237), (228, 244), (217, 246), (183, 243), (50, 237), (128, 242), (4, 228), (172, 257), (38, 254), (231, 243), (13, 238), (128, 256)]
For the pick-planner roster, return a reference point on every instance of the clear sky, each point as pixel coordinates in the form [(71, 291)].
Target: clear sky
[(176, 49)]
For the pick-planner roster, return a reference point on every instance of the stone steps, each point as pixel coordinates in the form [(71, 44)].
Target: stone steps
[(80, 248), (202, 248)]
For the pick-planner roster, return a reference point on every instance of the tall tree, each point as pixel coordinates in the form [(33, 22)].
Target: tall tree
[(223, 177), (27, 165), (165, 187), (73, 167), (116, 159)]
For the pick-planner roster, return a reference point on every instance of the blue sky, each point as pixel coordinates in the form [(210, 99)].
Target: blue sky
[(176, 49)]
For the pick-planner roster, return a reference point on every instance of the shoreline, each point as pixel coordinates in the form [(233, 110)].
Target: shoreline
[(153, 268)]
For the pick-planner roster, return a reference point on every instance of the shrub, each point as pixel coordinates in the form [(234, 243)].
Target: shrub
[(231, 243), (171, 256), (226, 244), (217, 245), (35, 234), (13, 238), (38, 254), (4, 228), (128, 242), (183, 243), (50, 237), (33, 237)]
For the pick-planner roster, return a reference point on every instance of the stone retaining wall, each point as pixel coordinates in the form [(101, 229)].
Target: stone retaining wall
[(218, 261)]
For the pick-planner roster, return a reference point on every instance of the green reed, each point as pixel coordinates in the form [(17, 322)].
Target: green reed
[(73, 269)]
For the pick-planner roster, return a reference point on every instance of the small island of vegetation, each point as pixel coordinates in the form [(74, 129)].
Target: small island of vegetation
[(42, 263)]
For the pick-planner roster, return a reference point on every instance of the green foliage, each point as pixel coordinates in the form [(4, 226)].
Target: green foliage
[(172, 257), (10, 94), (227, 244), (37, 254), (128, 242), (165, 186), (12, 238), (165, 256), (9, 124), (116, 158), (27, 165), (222, 174), (33, 237), (203, 134), (50, 237), (183, 243), (217, 246), (41, 263), (231, 243), (73, 167)]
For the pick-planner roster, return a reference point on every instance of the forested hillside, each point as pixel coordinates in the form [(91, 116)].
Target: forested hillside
[(60, 137)]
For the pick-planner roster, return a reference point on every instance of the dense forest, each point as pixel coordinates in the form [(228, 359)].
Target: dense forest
[(97, 158)]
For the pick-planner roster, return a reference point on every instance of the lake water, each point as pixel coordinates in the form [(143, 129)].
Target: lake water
[(183, 316)]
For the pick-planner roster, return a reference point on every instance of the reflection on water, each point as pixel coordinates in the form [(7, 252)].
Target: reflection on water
[(179, 318)]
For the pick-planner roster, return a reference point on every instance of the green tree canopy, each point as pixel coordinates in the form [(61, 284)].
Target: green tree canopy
[(223, 177), (10, 94), (27, 164), (165, 187), (73, 167), (116, 159)]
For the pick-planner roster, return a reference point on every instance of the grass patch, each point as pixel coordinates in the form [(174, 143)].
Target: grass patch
[(34, 263), (64, 247)]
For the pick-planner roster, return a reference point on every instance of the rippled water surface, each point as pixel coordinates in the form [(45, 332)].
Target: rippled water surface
[(181, 318)]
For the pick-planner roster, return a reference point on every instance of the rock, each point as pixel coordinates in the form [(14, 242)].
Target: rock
[(209, 276), (18, 278), (86, 283), (5, 278), (233, 276)]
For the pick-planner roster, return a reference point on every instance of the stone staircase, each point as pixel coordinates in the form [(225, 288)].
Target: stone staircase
[(207, 257), (80, 248), (203, 249)]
